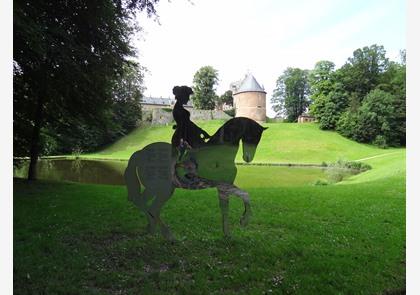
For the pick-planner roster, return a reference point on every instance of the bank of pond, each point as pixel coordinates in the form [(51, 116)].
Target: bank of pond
[(111, 172)]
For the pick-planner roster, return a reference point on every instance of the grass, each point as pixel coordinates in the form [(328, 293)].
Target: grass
[(339, 239), (383, 167), (348, 238), (281, 142)]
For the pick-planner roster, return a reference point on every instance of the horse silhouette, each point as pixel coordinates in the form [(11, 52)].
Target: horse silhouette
[(157, 167)]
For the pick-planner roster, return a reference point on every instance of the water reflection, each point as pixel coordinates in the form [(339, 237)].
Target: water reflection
[(85, 171), (111, 172)]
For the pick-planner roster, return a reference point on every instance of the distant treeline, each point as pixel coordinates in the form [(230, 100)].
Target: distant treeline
[(363, 100)]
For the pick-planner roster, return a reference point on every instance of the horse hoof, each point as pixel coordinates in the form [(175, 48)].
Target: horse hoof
[(167, 234)]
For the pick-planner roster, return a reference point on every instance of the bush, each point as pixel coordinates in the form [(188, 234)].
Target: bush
[(333, 106), (335, 174), (353, 165), (347, 124), (379, 120), (380, 141), (340, 169), (48, 142)]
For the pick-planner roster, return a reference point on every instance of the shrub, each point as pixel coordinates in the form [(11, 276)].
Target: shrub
[(335, 174), (379, 120), (48, 142), (340, 169), (380, 141), (333, 106), (353, 165), (347, 124)]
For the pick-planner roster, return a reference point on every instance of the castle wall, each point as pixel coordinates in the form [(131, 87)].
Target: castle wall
[(158, 116), (251, 105), (146, 106)]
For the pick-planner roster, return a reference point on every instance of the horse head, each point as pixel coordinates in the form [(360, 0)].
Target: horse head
[(237, 129), (251, 136)]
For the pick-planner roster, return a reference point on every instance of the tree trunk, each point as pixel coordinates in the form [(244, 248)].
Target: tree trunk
[(35, 141)]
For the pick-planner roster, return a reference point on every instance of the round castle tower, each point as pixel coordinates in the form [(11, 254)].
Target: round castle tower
[(249, 99)]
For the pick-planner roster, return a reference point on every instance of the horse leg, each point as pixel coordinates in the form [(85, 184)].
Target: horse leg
[(154, 210), (141, 203), (224, 207), (140, 199), (247, 212), (233, 190)]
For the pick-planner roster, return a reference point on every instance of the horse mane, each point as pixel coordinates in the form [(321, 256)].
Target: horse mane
[(234, 130)]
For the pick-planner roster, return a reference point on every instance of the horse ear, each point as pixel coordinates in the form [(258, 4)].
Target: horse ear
[(265, 128)]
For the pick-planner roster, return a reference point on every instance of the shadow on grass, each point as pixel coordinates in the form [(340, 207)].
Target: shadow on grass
[(77, 238)]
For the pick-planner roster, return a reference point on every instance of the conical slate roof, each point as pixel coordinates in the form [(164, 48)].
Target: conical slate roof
[(249, 84)]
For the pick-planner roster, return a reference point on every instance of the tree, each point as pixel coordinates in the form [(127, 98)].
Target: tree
[(362, 72), (328, 108), (127, 94), (75, 134), (66, 56), (326, 99), (320, 78), (375, 120), (290, 97), (205, 80), (394, 82), (225, 98), (376, 90)]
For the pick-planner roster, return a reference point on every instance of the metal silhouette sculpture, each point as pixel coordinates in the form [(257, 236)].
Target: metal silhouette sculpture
[(191, 163)]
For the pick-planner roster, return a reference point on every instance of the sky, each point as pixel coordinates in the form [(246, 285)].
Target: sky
[(263, 37)]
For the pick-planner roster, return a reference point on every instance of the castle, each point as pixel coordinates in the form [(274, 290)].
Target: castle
[(249, 99)]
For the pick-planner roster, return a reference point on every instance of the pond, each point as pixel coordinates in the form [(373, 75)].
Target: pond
[(84, 171), (111, 172)]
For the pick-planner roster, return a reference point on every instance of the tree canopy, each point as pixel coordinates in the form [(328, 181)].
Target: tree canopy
[(205, 81), (364, 99), (225, 98), (362, 72), (68, 58), (291, 95)]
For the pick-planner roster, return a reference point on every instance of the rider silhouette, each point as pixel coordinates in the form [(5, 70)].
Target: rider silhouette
[(187, 135)]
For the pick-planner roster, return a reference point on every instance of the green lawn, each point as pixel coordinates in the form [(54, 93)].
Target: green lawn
[(303, 239), (281, 142)]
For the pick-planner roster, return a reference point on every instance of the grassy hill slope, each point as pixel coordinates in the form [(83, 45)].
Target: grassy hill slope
[(281, 142), (384, 168)]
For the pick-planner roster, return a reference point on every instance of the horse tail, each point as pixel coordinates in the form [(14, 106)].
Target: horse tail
[(132, 180)]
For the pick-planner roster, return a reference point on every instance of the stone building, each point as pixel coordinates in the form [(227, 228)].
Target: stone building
[(249, 99), (304, 118), (150, 103), (158, 111)]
